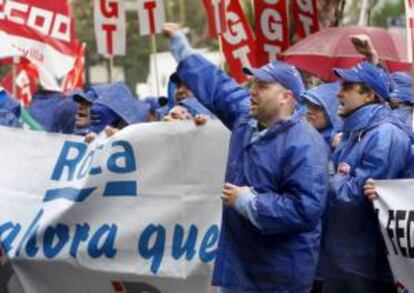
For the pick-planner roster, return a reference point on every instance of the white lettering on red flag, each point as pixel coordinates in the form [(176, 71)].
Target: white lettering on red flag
[(42, 30), (110, 30), (272, 29), (238, 41), (305, 16), (26, 79), (216, 16), (151, 16)]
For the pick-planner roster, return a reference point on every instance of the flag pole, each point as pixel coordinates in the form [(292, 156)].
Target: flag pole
[(154, 53), (363, 16), (111, 67), (221, 52)]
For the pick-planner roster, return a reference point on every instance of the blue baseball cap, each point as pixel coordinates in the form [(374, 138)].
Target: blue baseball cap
[(79, 95), (287, 75), (373, 76)]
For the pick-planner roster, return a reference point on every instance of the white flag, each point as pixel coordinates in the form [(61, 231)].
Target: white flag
[(110, 27), (151, 16)]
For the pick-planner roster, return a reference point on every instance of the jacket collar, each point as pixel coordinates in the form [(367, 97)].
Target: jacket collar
[(253, 134), (365, 117)]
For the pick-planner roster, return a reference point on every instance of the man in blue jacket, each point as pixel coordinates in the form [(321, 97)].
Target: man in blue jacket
[(276, 178), (375, 145)]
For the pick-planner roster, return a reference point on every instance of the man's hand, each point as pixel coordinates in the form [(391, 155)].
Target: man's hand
[(230, 193), (169, 29), (110, 130), (90, 137), (337, 139), (363, 45), (201, 119), (370, 190)]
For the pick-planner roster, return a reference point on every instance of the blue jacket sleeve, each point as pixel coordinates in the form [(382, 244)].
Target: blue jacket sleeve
[(384, 157), (218, 92), (180, 47), (305, 181)]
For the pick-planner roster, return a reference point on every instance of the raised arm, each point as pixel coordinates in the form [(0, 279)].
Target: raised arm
[(210, 84)]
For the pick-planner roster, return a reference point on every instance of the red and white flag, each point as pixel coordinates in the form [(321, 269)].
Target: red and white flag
[(409, 14), (216, 16), (26, 79), (238, 41), (42, 30), (305, 16), (110, 32), (272, 29), (75, 78), (151, 16)]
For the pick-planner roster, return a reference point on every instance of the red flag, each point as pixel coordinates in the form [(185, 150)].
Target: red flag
[(75, 78), (272, 31), (26, 79), (305, 15), (42, 30), (216, 16), (238, 41)]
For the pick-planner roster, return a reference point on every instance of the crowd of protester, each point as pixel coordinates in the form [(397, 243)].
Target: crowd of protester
[(297, 210)]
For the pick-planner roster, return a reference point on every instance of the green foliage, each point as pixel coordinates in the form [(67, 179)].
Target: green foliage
[(389, 10)]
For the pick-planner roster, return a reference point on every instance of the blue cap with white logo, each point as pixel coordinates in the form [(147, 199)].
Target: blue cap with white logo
[(286, 75), (373, 76)]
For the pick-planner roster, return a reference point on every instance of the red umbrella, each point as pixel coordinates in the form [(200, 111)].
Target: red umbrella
[(330, 48)]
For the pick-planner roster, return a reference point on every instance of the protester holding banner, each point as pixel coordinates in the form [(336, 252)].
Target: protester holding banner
[(271, 217), (374, 145), (115, 106), (84, 100)]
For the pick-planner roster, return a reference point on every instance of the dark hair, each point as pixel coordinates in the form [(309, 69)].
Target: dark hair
[(363, 88)]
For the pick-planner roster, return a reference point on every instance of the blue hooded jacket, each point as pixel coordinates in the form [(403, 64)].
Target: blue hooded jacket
[(64, 117), (375, 145), (9, 103), (325, 96), (279, 252), (115, 102), (7, 118), (43, 106), (403, 92)]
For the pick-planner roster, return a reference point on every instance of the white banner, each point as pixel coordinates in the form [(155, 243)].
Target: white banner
[(395, 207), (139, 211), (110, 33), (151, 16)]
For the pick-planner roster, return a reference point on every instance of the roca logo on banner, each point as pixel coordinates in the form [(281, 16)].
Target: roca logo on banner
[(75, 162), (45, 21)]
